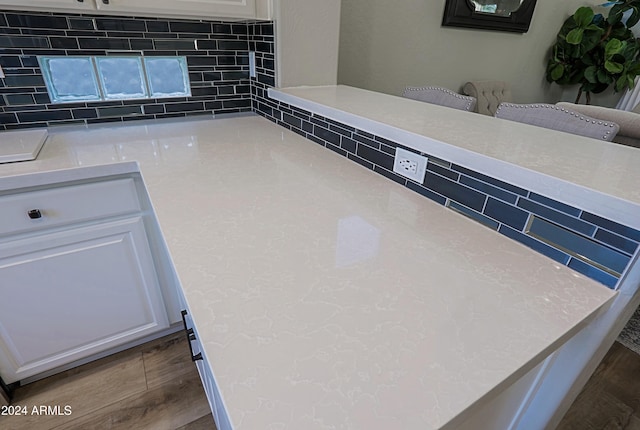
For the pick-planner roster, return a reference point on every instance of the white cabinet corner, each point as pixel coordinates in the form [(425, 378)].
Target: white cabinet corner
[(79, 282)]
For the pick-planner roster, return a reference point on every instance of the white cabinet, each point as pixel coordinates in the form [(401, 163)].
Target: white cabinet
[(75, 284), (200, 9), (78, 5)]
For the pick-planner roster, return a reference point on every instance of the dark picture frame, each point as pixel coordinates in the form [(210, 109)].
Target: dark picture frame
[(461, 13)]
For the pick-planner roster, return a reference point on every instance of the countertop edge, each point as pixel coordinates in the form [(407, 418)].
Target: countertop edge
[(68, 174)]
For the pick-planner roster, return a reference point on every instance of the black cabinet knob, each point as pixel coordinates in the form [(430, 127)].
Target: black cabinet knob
[(80, 1), (105, 1), (34, 214)]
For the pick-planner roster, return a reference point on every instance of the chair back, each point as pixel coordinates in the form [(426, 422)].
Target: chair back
[(558, 118), (489, 94), (440, 96)]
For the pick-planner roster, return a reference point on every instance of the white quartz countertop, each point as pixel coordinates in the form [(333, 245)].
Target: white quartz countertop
[(600, 177), (326, 296)]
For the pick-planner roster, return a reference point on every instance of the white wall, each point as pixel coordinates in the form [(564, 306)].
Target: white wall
[(307, 37), (387, 45)]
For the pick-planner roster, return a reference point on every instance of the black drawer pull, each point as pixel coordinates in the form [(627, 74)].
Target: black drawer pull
[(80, 1), (105, 1), (34, 214), (190, 337)]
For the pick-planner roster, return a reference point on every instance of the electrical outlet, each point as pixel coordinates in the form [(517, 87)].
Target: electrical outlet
[(410, 165)]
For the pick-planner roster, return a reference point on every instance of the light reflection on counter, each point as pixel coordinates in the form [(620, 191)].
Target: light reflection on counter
[(164, 151), (357, 241)]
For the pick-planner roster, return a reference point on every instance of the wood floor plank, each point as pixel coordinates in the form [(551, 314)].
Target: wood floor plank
[(595, 409), (621, 376), (173, 405), (611, 398), (167, 360), (204, 423), (85, 390), (633, 424)]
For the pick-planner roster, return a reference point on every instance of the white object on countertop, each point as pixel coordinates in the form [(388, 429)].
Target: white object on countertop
[(21, 145)]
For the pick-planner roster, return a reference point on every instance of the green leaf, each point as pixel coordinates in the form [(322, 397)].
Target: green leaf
[(615, 15), (604, 77), (575, 36), (583, 16), (591, 74), (613, 67), (621, 84), (634, 69), (588, 61), (614, 46), (593, 27), (591, 39), (634, 17), (556, 72)]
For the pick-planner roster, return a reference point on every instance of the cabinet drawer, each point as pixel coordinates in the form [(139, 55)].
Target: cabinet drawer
[(66, 205)]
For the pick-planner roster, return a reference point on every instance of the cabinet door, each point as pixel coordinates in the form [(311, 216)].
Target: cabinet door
[(70, 294), (45, 4), (196, 8)]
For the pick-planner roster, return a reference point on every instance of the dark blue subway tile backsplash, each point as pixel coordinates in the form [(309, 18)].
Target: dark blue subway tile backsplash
[(506, 214), (570, 210), (543, 248), (483, 187), (596, 247), (426, 192), (36, 21), (593, 272), (473, 214), (616, 241), (217, 56), (490, 180), (576, 244), (557, 217), (612, 226)]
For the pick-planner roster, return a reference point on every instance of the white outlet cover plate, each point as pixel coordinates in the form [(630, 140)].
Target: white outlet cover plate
[(421, 161)]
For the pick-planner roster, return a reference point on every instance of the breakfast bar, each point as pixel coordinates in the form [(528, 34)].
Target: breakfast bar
[(324, 295)]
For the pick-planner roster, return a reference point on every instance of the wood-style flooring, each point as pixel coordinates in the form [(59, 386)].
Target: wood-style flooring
[(611, 398), (156, 387)]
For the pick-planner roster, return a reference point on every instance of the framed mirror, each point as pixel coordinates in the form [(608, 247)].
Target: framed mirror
[(501, 15)]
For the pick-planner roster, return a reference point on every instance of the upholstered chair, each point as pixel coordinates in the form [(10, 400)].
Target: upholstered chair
[(558, 118), (629, 121), (440, 96), (489, 95)]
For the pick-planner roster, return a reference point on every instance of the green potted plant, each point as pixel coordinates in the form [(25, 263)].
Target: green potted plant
[(597, 52)]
